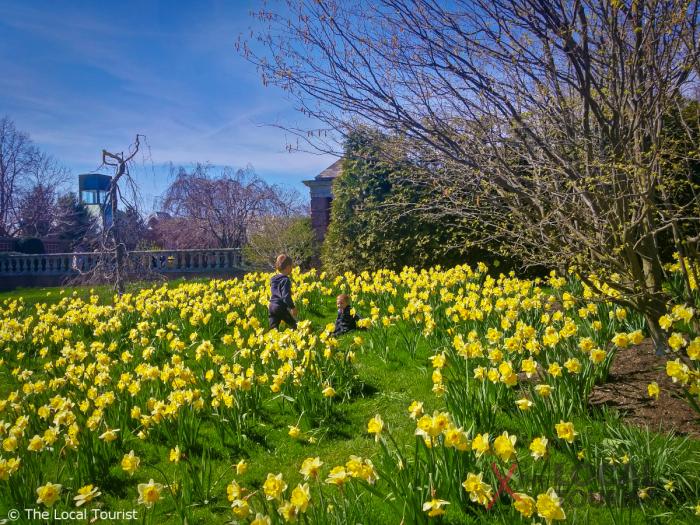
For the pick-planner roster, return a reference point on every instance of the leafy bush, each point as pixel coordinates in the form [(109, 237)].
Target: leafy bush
[(374, 221), (275, 235)]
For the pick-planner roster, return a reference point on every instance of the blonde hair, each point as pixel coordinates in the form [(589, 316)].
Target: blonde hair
[(283, 260), (344, 297)]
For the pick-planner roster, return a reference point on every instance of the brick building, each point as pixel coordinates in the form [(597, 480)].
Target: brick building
[(321, 188)]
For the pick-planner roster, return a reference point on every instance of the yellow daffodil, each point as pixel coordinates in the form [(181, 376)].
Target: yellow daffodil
[(48, 494), (565, 431), (149, 493), (549, 507), (434, 507), (653, 390), (86, 494), (375, 426), (504, 446), (130, 463), (538, 447), (274, 486)]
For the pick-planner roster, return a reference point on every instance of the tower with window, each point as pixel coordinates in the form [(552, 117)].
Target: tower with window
[(94, 194)]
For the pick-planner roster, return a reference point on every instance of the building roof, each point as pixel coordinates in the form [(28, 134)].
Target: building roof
[(332, 171)]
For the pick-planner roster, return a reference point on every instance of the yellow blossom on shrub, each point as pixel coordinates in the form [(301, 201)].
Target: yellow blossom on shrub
[(261, 519), (456, 438), (554, 369), (36, 444), (8, 467), (677, 371), (636, 337), (234, 491), (337, 476), (109, 435), (621, 340), (415, 409), (529, 367), (573, 365), (543, 390), (665, 322), (597, 355), (240, 508), (523, 404), (329, 391), (682, 313)]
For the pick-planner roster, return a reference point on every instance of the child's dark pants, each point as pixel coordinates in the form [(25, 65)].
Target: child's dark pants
[(279, 313)]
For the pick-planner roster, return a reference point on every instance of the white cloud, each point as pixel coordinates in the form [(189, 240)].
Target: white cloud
[(188, 92)]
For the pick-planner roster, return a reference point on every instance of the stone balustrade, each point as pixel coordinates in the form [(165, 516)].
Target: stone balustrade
[(19, 269)]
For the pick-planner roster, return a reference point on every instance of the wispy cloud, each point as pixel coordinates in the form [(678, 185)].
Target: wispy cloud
[(81, 79)]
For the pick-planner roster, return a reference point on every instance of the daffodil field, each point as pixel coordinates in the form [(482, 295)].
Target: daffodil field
[(464, 399)]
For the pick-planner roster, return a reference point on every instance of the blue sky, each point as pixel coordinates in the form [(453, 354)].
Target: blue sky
[(83, 76)]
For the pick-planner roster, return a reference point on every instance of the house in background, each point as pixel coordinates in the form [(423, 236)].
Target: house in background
[(321, 188)]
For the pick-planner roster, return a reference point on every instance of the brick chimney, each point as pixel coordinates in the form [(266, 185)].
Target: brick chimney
[(321, 188)]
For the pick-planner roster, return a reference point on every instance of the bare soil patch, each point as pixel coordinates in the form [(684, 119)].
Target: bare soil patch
[(626, 390)]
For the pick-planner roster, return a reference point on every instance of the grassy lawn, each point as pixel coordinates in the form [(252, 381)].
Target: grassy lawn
[(386, 387), (387, 381)]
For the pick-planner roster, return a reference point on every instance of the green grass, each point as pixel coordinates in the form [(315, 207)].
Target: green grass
[(51, 295), (386, 386)]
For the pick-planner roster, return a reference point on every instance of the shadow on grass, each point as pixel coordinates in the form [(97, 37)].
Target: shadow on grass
[(362, 389)]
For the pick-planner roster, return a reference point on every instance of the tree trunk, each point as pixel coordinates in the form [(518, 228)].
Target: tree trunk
[(116, 238), (653, 309)]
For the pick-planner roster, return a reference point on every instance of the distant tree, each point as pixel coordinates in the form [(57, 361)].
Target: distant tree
[(178, 233), (36, 211), (23, 169), (220, 208), (132, 227), (17, 157), (273, 235), (73, 222)]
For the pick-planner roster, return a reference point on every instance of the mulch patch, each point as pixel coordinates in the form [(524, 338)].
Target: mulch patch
[(626, 390)]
